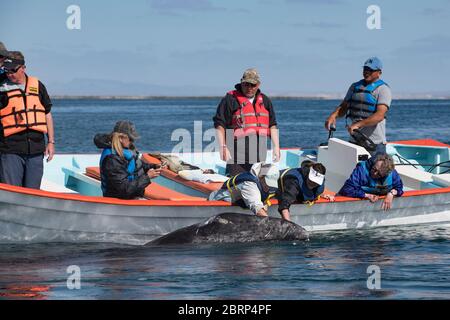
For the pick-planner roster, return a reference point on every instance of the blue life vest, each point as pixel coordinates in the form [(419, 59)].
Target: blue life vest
[(374, 186), (306, 194), (363, 102), (240, 178), (128, 155)]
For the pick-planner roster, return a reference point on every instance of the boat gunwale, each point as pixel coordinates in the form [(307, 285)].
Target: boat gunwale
[(181, 203)]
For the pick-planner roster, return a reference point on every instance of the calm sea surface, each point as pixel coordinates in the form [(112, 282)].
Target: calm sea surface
[(414, 262)]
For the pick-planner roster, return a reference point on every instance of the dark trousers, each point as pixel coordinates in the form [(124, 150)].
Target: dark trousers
[(22, 170), (245, 152)]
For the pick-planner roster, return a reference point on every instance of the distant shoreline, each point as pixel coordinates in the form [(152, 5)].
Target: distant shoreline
[(68, 97)]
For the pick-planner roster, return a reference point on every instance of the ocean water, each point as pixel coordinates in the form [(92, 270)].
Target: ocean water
[(414, 262)]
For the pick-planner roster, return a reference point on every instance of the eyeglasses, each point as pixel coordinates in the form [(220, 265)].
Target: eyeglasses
[(13, 70), (248, 84)]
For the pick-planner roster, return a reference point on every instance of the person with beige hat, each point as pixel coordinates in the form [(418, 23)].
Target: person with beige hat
[(244, 122)]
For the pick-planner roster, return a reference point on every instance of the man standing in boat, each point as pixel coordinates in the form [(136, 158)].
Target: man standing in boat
[(244, 120), (366, 104), (24, 121)]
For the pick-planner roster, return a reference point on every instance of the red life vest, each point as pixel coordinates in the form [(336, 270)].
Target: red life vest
[(248, 119)]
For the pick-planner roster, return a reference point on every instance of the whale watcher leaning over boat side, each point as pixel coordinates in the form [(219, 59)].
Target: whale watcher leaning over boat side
[(250, 189), (304, 184), (123, 174), (373, 178), (366, 105), (25, 120)]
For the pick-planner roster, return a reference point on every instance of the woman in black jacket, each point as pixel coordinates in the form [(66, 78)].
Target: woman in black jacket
[(123, 174)]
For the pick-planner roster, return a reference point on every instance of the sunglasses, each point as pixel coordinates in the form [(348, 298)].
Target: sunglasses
[(11, 71), (248, 84), (367, 69)]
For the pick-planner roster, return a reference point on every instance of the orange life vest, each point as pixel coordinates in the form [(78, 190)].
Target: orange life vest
[(248, 119), (24, 110)]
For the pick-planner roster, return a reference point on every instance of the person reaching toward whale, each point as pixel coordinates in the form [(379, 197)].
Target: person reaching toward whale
[(304, 184), (250, 189)]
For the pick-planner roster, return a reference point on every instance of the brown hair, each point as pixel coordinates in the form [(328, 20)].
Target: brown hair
[(387, 163)]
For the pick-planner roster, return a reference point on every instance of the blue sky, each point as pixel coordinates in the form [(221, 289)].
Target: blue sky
[(201, 47)]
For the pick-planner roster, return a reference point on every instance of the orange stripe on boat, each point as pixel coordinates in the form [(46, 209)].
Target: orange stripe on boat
[(421, 142)]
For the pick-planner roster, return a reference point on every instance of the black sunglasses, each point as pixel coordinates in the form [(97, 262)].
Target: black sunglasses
[(248, 84), (10, 71)]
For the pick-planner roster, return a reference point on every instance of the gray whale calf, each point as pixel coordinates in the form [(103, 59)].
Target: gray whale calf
[(235, 227)]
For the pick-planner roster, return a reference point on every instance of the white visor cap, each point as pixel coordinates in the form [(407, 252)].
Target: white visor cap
[(315, 176)]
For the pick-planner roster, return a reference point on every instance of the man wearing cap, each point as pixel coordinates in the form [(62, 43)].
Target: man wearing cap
[(250, 189), (304, 184), (244, 120), (24, 121), (366, 104)]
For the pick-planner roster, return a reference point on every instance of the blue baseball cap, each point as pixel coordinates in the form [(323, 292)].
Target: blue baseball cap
[(373, 63)]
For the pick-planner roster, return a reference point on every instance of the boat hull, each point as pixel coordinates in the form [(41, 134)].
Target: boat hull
[(36, 216)]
